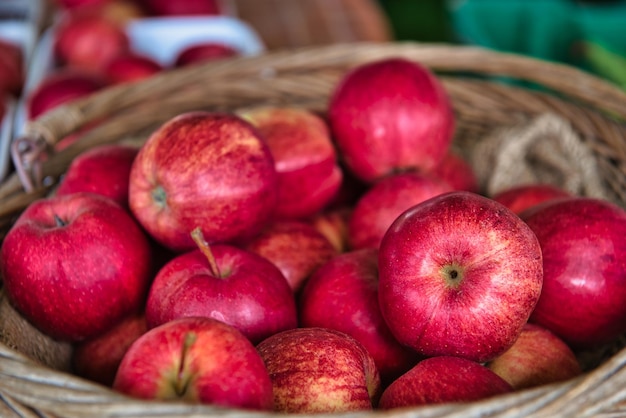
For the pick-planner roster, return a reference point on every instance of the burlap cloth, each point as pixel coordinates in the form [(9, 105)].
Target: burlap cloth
[(543, 150)]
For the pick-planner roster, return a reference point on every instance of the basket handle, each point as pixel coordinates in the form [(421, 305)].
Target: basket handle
[(28, 154)]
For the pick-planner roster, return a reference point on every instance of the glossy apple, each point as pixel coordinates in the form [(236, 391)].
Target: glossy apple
[(197, 360), (583, 241), (61, 86), (443, 379), (522, 197), (309, 175), (342, 294), (98, 358), (202, 52), (76, 265), (207, 170), (295, 247), (538, 357), (319, 370), (446, 269), (227, 283), (103, 169), (386, 199), (131, 67), (88, 42), (455, 170), (390, 115)]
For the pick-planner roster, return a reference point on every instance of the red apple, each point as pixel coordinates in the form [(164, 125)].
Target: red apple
[(443, 379), (538, 357), (342, 294), (459, 275), (75, 265), (457, 172), (182, 7), (295, 247), (59, 87), (207, 170), (98, 358), (522, 197), (131, 67), (197, 53), (376, 210), (11, 68), (333, 224), (309, 175), (88, 42), (103, 169), (227, 283), (390, 115), (583, 241), (318, 370), (198, 360)]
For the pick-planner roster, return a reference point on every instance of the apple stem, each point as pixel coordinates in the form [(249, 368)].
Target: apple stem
[(58, 221), (197, 236)]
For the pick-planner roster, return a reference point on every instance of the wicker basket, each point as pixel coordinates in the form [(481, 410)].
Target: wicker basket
[(478, 82)]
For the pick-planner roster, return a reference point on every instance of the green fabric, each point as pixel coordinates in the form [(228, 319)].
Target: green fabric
[(591, 35)]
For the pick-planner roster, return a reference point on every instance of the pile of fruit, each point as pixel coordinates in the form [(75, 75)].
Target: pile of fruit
[(282, 260), (91, 48)]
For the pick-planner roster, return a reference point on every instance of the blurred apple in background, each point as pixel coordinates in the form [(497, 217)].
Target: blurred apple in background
[(207, 170), (342, 294), (76, 265), (74, 4), (457, 172), (386, 199), (309, 175), (119, 12), (443, 379), (390, 115), (197, 53), (524, 196), (62, 86), (197, 360), (445, 269), (97, 359), (183, 7), (295, 247), (227, 283), (583, 241), (88, 41), (131, 67), (318, 370), (538, 357), (103, 169), (12, 71)]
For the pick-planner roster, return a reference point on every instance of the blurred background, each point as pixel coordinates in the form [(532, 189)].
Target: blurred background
[(127, 40), (587, 34)]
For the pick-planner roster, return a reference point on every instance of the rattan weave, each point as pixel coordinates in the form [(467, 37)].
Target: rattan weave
[(480, 83)]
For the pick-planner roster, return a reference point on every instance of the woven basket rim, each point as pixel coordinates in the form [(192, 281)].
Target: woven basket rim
[(29, 384)]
